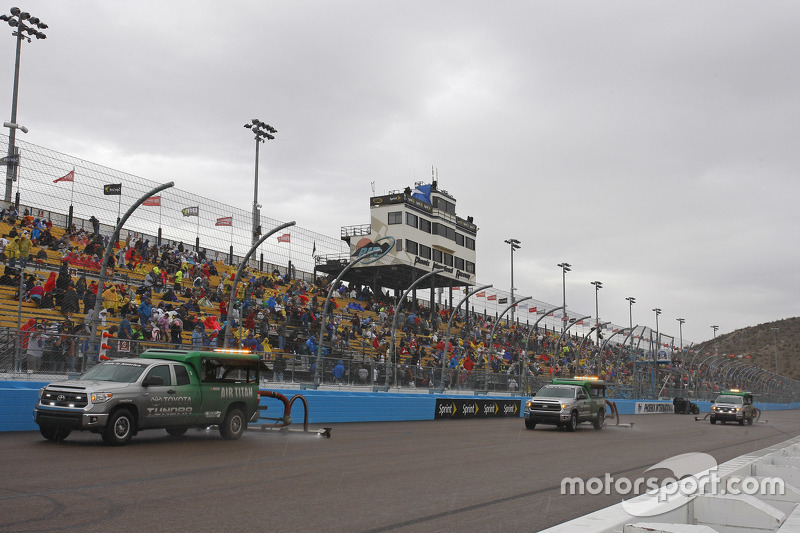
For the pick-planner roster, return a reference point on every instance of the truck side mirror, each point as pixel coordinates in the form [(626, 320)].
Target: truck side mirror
[(153, 381)]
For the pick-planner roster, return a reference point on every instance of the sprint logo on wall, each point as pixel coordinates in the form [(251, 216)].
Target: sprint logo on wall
[(451, 408)]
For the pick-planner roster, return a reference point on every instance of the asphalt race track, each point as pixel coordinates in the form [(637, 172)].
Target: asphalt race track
[(466, 475)]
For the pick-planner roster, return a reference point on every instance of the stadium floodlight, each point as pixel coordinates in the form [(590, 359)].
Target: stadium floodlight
[(597, 286), (24, 23), (565, 267), (515, 245), (262, 132)]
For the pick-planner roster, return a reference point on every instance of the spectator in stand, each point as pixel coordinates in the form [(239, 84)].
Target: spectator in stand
[(50, 284), (24, 245), (90, 297), (175, 330), (250, 343), (278, 367), (125, 330), (95, 225), (197, 338), (111, 300), (145, 311), (338, 372), (12, 251), (35, 350), (3, 243), (36, 292)]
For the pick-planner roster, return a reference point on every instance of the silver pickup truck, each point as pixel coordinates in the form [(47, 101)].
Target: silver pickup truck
[(566, 403), (162, 389)]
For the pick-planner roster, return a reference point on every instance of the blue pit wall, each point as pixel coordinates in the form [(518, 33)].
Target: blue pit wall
[(18, 398)]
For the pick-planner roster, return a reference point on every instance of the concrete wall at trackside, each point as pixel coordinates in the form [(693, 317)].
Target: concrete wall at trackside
[(17, 399)]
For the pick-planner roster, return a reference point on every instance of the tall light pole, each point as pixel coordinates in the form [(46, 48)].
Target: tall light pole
[(631, 301), (262, 131), (715, 328), (597, 286), (657, 311), (24, 23), (515, 245), (565, 267), (775, 335), (681, 321)]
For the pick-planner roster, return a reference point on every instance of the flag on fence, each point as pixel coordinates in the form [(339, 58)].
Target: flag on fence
[(314, 249), (153, 201), (69, 177), (532, 310), (481, 294), (286, 237), (112, 189), (492, 297), (10, 160), (502, 301), (191, 211), (224, 221)]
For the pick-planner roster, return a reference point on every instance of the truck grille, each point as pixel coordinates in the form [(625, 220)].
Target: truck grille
[(60, 398), (541, 406)]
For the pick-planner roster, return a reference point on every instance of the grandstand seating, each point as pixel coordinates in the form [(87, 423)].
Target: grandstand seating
[(361, 347)]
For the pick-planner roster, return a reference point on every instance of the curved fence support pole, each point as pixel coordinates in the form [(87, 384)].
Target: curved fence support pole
[(238, 277), (447, 334), (491, 343), (109, 248), (566, 328), (375, 255), (394, 320)]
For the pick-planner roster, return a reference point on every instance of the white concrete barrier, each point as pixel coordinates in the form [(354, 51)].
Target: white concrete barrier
[(754, 493)]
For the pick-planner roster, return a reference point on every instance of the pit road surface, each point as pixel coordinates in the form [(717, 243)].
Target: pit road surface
[(458, 475)]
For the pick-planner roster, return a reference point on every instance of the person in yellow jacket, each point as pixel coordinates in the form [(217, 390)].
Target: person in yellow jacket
[(24, 246), (12, 251), (111, 299)]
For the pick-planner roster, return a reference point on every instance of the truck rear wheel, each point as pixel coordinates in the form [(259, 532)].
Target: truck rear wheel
[(234, 425), (120, 428), (177, 432), (54, 433), (601, 418)]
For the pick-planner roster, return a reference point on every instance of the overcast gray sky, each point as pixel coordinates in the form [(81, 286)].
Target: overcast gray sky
[(652, 145)]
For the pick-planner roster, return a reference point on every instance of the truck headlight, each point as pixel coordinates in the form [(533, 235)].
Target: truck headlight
[(100, 397), (714, 408), (564, 406), (737, 409)]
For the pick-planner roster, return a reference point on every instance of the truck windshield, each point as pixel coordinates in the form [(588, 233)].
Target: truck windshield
[(117, 372), (551, 391), (729, 399)]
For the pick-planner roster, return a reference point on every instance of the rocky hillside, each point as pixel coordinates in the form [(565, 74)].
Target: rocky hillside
[(759, 343)]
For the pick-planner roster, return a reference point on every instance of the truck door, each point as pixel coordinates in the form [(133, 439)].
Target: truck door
[(165, 404), (188, 393), (156, 401), (584, 405)]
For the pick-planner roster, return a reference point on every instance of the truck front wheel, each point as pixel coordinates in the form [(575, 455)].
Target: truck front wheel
[(234, 425), (120, 428), (572, 425)]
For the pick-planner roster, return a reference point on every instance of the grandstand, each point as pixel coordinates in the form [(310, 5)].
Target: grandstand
[(287, 273)]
